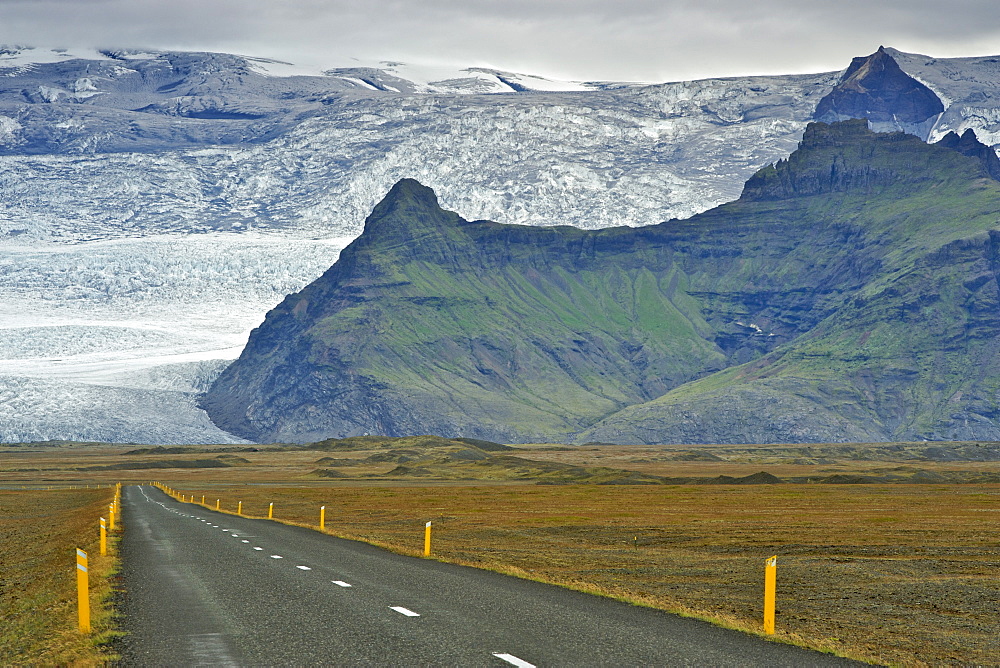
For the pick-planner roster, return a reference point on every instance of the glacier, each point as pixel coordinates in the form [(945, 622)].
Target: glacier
[(155, 205)]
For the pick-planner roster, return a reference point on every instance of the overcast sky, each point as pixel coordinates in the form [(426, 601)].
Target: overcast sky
[(637, 40)]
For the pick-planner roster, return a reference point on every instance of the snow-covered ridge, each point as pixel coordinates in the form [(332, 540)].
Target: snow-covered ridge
[(420, 78), (27, 56)]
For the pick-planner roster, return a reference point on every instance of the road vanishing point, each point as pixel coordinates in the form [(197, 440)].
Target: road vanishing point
[(203, 588)]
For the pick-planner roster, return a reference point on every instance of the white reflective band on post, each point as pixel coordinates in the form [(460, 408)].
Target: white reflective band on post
[(82, 567), (81, 553)]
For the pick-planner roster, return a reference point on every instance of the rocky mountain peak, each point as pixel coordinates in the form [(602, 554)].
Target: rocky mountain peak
[(833, 157), (409, 209), (876, 88), (406, 195), (846, 156), (969, 144)]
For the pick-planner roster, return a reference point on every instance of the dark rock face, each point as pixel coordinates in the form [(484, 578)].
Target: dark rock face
[(969, 144), (844, 170), (875, 88), (850, 294)]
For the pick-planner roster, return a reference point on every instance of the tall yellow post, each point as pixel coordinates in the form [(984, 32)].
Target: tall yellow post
[(322, 517), (216, 504), (83, 590), (270, 510), (202, 499), (770, 580), (111, 517), (104, 537), (239, 508), (427, 540)]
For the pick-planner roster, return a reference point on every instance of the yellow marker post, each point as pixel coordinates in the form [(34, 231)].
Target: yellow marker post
[(202, 499), (111, 517), (104, 537), (83, 590), (216, 504), (322, 517), (270, 510), (770, 579), (239, 508), (427, 540)]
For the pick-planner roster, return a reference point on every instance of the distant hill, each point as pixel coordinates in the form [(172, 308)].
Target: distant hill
[(850, 294)]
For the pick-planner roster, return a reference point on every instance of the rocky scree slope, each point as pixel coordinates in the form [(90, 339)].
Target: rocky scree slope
[(844, 297)]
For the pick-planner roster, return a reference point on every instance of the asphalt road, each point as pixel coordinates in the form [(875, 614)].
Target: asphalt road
[(207, 588)]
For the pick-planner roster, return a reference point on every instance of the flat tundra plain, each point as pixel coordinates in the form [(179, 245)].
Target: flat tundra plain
[(899, 574)]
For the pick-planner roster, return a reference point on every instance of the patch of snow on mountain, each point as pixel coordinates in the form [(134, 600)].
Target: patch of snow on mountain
[(25, 56), (280, 68)]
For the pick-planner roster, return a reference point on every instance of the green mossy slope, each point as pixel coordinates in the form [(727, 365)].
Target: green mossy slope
[(849, 294)]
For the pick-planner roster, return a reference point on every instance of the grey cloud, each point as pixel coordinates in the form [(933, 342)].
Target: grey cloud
[(580, 39)]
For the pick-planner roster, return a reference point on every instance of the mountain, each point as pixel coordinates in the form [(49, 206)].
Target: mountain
[(876, 88), (155, 205), (847, 295)]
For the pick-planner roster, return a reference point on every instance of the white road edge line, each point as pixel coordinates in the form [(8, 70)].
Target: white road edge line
[(403, 611), (513, 660), (340, 583)]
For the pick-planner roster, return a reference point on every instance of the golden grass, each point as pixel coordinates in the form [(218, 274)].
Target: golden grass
[(898, 574), (39, 533), (903, 574)]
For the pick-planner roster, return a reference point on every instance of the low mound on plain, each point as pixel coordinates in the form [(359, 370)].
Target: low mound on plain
[(402, 442), (222, 461)]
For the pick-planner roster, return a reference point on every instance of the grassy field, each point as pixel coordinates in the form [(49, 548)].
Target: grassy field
[(902, 574), (39, 533)]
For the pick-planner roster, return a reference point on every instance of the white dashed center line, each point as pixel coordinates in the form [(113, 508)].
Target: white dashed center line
[(513, 660), (303, 568), (276, 556), (340, 583), (244, 541), (404, 611), (258, 548)]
